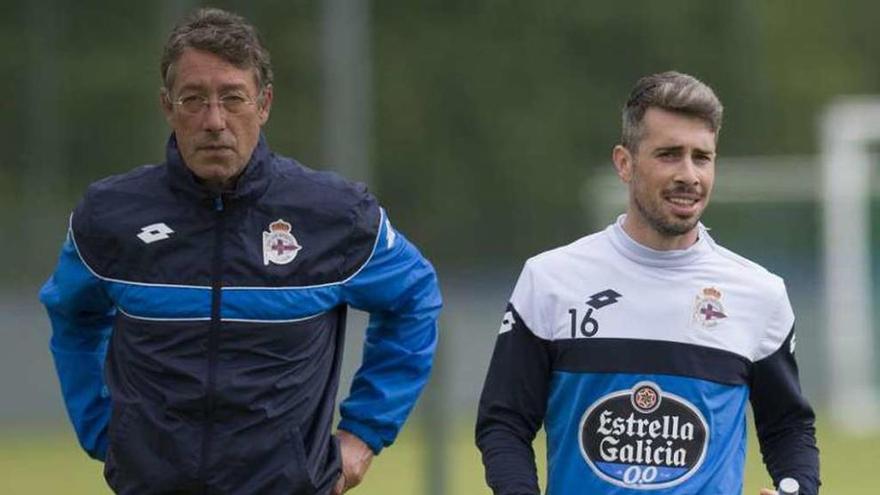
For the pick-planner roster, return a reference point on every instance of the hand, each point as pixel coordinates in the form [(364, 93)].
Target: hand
[(356, 458), (767, 491)]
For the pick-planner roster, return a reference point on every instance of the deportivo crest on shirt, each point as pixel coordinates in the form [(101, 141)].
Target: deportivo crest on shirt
[(279, 245), (708, 310)]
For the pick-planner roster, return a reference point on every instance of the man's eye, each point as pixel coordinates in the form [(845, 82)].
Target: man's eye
[(234, 103), (192, 103)]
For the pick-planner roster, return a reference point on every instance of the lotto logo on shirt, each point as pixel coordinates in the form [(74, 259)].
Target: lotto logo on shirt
[(643, 438)]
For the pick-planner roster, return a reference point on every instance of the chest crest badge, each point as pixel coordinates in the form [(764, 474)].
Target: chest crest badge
[(279, 245), (708, 309)]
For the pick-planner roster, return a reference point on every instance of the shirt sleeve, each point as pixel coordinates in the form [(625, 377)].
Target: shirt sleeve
[(514, 400), (81, 315), (399, 288), (784, 420)]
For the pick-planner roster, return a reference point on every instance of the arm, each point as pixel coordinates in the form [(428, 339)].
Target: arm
[(514, 398), (398, 287), (81, 314), (512, 408), (784, 420)]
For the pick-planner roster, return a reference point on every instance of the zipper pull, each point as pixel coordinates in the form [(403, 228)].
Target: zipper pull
[(218, 203)]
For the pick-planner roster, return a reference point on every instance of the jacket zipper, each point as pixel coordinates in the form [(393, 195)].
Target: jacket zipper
[(213, 337)]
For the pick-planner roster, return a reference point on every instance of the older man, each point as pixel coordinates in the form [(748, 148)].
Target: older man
[(198, 308), (639, 347)]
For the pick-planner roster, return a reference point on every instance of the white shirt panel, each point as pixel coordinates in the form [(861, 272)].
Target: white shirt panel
[(661, 294)]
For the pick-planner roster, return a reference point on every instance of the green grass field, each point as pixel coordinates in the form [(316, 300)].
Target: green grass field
[(50, 462)]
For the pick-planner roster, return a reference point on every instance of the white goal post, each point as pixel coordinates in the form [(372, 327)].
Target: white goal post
[(849, 127)]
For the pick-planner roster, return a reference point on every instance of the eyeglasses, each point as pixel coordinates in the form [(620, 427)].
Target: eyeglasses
[(232, 103)]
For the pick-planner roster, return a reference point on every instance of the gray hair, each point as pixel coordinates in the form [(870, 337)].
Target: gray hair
[(672, 91), (222, 33)]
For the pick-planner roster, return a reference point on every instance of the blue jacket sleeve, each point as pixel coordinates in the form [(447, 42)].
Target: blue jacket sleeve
[(398, 287), (81, 314)]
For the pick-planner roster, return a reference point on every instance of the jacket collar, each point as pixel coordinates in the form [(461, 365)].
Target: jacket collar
[(253, 181)]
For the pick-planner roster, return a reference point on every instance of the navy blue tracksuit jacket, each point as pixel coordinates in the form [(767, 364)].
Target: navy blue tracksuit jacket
[(197, 336)]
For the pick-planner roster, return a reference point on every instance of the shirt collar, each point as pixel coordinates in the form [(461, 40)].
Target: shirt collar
[(644, 255)]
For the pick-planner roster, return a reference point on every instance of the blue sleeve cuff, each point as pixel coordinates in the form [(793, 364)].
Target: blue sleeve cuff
[(365, 433), (100, 452)]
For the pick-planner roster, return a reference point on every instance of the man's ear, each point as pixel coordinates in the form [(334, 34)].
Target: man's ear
[(165, 103), (623, 162), (265, 104)]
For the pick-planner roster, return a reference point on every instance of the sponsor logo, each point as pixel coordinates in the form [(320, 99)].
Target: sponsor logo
[(155, 232), (708, 310), (279, 245), (643, 438), (585, 325), (605, 298), (506, 323)]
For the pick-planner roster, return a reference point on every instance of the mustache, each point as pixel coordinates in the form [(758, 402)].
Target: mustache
[(215, 143), (684, 189)]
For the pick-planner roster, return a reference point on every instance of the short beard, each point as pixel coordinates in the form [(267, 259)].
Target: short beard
[(662, 226)]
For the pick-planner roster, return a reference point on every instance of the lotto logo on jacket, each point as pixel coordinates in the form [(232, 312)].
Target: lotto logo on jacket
[(643, 438)]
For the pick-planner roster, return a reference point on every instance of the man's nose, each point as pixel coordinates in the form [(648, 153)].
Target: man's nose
[(687, 171), (214, 117)]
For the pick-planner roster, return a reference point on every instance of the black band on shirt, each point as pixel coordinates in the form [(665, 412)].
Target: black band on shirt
[(650, 356)]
